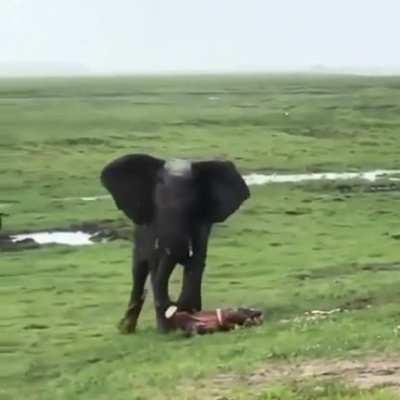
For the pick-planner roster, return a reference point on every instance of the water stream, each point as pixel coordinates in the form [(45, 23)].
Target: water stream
[(71, 238)]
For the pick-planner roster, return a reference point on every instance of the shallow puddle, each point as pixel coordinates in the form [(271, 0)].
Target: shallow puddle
[(80, 237), (87, 198), (371, 176), (94, 198), (262, 179), (77, 238)]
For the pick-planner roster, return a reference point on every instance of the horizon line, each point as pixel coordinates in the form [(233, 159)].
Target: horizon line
[(349, 71)]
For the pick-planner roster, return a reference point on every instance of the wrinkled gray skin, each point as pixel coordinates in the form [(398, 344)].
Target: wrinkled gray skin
[(173, 205)]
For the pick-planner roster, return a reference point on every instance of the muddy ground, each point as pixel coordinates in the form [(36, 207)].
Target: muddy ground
[(103, 230)]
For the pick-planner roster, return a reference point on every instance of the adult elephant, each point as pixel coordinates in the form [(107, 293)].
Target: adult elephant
[(173, 204)]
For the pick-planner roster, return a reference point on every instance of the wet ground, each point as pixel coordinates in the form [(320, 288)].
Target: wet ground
[(89, 233), (77, 238), (370, 176)]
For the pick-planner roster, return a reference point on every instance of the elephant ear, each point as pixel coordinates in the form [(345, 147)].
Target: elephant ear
[(131, 180), (222, 189)]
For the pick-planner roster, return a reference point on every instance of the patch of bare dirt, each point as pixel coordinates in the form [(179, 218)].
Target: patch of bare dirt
[(364, 374)]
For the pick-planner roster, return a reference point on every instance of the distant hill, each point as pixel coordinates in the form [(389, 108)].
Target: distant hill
[(18, 70), (368, 70), (9, 70)]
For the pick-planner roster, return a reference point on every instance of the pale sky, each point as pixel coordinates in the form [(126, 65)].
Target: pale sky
[(122, 36)]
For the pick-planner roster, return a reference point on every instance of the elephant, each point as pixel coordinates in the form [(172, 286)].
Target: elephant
[(173, 204)]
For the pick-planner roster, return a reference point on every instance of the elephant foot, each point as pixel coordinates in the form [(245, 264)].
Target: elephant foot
[(127, 324), (212, 321), (163, 317), (163, 328)]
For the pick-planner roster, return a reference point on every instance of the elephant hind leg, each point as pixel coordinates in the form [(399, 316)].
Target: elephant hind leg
[(129, 321)]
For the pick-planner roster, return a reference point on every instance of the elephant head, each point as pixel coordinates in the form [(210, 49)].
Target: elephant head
[(141, 185)]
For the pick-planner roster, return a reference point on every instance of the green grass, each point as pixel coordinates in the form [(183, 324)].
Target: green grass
[(323, 391), (289, 250)]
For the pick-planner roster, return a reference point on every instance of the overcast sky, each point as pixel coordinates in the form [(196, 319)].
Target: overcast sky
[(117, 36)]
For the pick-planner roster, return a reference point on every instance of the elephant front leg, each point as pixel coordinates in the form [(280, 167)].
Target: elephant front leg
[(160, 278), (190, 299)]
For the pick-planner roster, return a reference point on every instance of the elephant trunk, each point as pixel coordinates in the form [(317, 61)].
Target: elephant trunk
[(174, 237)]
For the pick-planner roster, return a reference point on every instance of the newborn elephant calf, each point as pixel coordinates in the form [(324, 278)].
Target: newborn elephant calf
[(203, 322), (173, 204)]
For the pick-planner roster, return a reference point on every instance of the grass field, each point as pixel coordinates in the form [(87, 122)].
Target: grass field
[(291, 248)]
